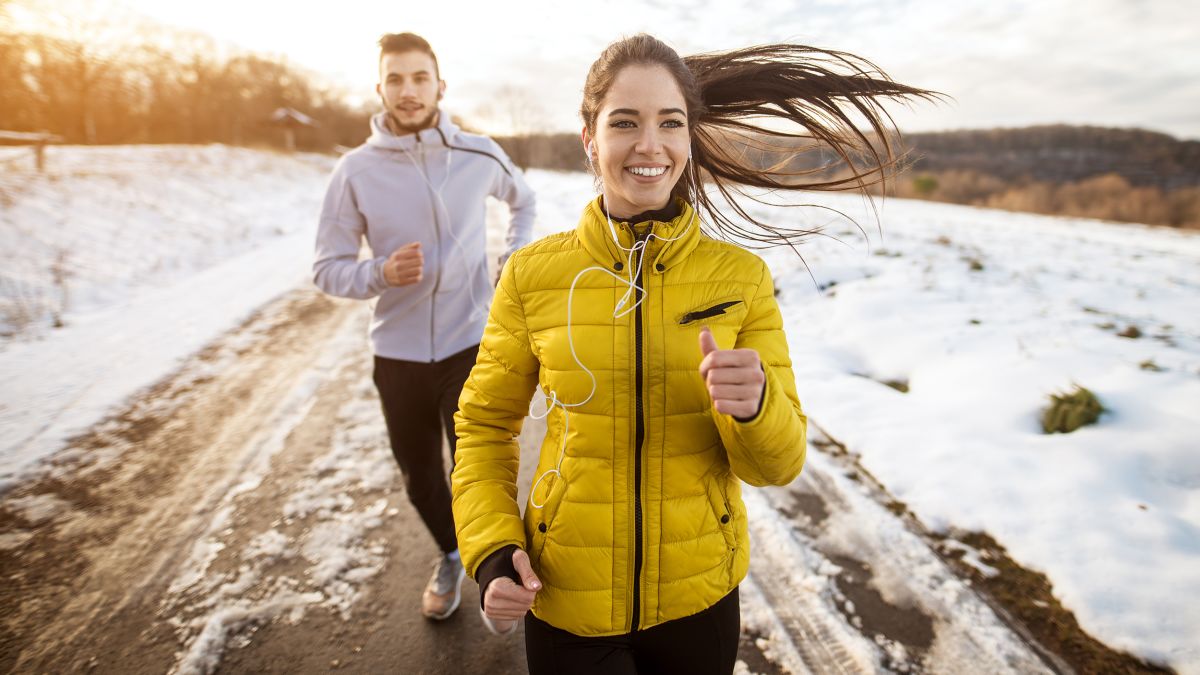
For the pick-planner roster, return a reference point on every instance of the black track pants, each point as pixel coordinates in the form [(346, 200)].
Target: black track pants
[(701, 644), (419, 401)]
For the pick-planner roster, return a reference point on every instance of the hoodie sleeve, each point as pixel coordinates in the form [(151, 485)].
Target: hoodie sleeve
[(769, 448), (336, 267), (511, 187)]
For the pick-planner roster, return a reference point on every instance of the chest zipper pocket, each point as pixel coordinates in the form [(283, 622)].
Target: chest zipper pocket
[(715, 310)]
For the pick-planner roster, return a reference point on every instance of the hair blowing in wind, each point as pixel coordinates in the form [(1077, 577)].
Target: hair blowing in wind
[(753, 111)]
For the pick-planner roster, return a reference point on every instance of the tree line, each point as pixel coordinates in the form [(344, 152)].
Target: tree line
[(151, 92)]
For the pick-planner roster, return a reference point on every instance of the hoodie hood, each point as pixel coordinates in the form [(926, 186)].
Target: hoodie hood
[(383, 138)]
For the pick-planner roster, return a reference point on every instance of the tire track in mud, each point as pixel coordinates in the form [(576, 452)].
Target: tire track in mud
[(122, 504), (869, 594)]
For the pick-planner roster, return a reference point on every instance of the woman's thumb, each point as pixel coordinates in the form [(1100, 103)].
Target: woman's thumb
[(528, 579), (708, 344)]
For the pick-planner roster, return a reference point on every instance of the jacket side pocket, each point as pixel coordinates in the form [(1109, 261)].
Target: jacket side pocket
[(543, 519)]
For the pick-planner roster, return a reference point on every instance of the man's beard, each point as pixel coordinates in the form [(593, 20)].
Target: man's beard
[(403, 128)]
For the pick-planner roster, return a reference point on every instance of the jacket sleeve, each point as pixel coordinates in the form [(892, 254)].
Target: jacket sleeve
[(769, 448), (491, 411), (522, 204), (336, 267)]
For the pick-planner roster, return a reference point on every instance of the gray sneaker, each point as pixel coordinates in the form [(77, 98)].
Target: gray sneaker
[(444, 590)]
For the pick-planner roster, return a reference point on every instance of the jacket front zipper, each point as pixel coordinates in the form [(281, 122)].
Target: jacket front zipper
[(640, 436)]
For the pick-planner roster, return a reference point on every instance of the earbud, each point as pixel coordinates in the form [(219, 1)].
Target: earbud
[(588, 154)]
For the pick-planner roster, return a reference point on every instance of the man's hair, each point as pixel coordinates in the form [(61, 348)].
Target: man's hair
[(398, 43)]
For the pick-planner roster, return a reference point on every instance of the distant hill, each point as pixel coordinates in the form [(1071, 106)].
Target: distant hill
[(1130, 175), (1061, 154)]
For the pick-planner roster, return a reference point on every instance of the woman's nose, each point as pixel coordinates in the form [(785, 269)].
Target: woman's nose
[(649, 142)]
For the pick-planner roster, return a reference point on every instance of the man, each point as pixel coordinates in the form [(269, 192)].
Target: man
[(416, 190)]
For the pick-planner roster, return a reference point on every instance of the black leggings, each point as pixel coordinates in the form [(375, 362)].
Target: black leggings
[(702, 643), (419, 401)]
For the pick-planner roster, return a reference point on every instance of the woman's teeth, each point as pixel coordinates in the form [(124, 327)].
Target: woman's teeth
[(647, 171)]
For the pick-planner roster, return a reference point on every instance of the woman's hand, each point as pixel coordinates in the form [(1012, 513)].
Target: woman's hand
[(504, 602), (734, 377)]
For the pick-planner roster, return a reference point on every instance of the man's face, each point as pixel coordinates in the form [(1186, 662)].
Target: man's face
[(410, 89)]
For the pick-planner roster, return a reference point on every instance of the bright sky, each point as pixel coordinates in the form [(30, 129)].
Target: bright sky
[(1006, 63)]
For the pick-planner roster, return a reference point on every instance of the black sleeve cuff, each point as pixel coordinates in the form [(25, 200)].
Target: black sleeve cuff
[(498, 564)]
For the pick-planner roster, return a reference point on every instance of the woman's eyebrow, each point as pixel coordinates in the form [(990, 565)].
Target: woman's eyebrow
[(631, 111)]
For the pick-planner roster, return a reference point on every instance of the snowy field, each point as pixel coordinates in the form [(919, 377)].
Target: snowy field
[(980, 314), (161, 249)]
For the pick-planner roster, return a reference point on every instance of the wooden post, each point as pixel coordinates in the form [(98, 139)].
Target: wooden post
[(39, 153)]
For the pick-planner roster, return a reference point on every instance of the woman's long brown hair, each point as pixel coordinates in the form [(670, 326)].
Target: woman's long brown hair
[(758, 114)]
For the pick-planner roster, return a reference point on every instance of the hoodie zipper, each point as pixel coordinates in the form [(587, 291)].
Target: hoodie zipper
[(437, 233), (640, 437)]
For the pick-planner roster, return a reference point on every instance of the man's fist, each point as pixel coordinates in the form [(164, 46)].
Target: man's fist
[(404, 266), (734, 377)]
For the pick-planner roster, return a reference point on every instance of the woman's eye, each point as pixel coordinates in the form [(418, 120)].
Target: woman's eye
[(622, 124), (673, 124)]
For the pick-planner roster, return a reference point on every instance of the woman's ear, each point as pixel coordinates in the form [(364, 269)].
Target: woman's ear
[(588, 148)]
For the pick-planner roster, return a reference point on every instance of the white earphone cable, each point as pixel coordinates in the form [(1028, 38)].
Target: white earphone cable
[(639, 246)]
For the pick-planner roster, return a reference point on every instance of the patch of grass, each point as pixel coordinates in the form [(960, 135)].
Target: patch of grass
[(974, 322), (899, 385), (974, 264), (1132, 332), (1067, 412), (1150, 365)]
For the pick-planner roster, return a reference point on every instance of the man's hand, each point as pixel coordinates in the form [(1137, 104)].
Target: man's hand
[(404, 266), (504, 602), (734, 377)]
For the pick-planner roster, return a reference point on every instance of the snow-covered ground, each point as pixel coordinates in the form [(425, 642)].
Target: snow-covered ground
[(984, 314), (981, 313), (162, 248)]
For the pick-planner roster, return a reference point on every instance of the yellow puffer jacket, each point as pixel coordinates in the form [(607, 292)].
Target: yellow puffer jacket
[(645, 523)]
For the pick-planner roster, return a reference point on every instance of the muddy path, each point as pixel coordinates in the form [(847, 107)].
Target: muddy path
[(245, 515)]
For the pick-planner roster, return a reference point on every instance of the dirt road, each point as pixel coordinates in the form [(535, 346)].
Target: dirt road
[(246, 516)]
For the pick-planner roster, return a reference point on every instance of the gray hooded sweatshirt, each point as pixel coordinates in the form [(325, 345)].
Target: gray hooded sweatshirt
[(395, 190)]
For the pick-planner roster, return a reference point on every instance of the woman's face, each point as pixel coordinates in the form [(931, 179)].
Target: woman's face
[(641, 141)]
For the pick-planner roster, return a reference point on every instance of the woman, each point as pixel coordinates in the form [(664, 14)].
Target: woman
[(661, 357)]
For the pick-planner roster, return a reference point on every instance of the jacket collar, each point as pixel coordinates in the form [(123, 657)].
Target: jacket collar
[(383, 138), (596, 236)]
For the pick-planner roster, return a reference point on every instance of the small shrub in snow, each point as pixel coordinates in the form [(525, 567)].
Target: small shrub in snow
[(1067, 412), (1150, 365), (1131, 332)]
